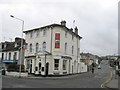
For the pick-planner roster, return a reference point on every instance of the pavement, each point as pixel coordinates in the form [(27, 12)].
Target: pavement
[(113, 81)]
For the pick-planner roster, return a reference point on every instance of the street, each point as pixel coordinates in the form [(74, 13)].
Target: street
[(85, 80)]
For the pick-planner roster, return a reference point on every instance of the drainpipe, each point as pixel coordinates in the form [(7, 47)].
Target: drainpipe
[(51, 39)]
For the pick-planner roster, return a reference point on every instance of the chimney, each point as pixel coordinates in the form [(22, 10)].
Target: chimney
[(63, 23), (71, 29), (76, 30)]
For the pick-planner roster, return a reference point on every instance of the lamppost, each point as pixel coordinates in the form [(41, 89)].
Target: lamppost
[(21, 54)]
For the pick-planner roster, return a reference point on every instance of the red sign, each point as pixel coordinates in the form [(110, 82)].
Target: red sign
[(57, 40)]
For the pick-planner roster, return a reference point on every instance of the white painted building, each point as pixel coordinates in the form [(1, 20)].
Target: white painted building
[(54, 45)]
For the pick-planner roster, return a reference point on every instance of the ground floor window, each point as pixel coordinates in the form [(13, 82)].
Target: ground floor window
[(64, 64), (56, 64)]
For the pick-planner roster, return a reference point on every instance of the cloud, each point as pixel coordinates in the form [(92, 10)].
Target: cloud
[(96, 20)]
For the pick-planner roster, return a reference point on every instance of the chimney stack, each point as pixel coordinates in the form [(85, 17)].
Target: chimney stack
[(71, 29), (76, 30), (63, 23)]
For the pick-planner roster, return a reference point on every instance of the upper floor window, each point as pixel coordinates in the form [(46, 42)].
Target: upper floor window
[(44, 32), (15, 56), (31, 34), (2, 56), (72, 49), (37, 47), (44, 46), (57, 40), (65, 47), (30, 47), (65, 33), (37, 33), (9, 56)]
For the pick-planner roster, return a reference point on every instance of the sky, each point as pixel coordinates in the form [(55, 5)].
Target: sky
[(97, 20)]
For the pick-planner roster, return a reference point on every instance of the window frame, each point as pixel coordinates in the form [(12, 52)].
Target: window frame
[(44, 46), (56, 64), (37, 47), (65, 47), (30, 48), (64, 64)]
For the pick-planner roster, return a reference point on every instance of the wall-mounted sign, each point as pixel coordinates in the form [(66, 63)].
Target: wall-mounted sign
[(57, 40)]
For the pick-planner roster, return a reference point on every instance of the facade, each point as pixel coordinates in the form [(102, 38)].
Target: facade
[(10, 52), (52, 50)]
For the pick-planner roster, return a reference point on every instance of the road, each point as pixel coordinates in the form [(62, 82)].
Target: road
[(85, 80)]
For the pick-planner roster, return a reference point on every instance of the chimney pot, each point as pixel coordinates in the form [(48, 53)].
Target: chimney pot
[(63, 23)]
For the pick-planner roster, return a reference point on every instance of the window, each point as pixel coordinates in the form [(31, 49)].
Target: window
[(37, 33), (57, 40), (15, 56), (31, 34), (56, 64), (36, 68), (44, 46), (72, 49), (30, 47), (65, 33), (44, 32), (9, 56), (2, 56), (64, 64), (65, 47), (37, 47)]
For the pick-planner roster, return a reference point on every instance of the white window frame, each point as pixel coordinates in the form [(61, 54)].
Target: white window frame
[(64, 64), (30, 47), (44, 32), (44, 46), (56, 64), (37, 47)]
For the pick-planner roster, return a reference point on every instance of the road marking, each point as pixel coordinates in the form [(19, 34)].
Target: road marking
[(108, 80)]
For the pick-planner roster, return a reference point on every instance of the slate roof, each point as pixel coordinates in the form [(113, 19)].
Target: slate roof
[(12, 46), (54, 25)]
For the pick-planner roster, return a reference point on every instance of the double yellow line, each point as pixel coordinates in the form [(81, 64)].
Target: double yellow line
[(108, 80)]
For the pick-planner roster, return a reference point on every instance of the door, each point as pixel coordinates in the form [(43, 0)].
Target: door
[(30, 68)]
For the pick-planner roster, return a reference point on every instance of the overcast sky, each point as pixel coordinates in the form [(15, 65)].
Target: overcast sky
[(97, 20)]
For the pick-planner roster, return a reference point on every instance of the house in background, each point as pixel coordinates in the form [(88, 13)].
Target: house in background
[(90, 60), (53, 50), (10, 53)]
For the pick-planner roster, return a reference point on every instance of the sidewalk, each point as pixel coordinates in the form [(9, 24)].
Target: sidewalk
[(114, 81), (58, 77)]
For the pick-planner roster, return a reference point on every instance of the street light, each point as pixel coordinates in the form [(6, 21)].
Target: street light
[(21, 57)]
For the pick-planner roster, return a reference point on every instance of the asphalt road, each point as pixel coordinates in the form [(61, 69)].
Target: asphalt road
[(85, 80)]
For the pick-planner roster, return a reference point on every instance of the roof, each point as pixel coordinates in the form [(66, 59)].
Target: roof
[(53, 25), (10, 46)]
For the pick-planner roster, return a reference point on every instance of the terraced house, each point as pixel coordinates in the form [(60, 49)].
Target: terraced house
[(52, 50), (10, 53)]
